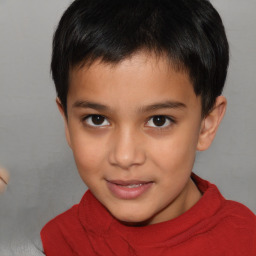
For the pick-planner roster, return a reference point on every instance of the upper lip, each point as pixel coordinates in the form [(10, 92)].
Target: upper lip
[(128, 182)]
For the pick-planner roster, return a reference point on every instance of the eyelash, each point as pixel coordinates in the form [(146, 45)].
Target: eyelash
[(84, 120), (166, 118), (171, 121)]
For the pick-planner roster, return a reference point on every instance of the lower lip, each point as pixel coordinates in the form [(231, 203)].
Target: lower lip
[(123, 192)]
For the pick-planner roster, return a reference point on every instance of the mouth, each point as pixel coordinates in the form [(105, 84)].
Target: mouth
[(128, 189)]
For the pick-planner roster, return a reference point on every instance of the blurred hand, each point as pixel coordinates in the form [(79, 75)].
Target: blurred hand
[(4, 179)]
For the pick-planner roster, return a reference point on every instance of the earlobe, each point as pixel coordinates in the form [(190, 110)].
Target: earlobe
[(62, 112), (211, 123)]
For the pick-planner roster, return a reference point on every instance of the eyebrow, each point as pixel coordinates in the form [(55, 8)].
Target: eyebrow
[(89, 104), (163, 105), (147, 108)]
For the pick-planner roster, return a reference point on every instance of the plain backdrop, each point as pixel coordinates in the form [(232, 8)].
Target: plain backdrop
[(44, 181)]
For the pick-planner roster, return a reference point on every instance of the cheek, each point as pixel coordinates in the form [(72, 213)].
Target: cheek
[(88, 154), (176, 153)]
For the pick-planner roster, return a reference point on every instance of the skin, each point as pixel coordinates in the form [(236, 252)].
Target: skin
[(128, 145), (4, 179)]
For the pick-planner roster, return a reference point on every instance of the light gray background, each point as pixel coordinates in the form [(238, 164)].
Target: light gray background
[(44, 181)]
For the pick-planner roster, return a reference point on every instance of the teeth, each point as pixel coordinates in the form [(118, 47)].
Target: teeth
[(132, 186)]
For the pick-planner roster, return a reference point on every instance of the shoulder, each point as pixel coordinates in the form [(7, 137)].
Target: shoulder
[(237, 226), (230, 224), (223, 208), (56, 224), (242, 215), (53, 234)]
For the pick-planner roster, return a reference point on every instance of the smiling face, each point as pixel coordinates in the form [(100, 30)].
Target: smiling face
[(134, 129)]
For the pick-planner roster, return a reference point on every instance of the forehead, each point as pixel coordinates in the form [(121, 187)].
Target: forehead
[(141, 77)]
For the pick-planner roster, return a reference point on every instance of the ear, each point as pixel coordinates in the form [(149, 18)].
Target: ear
[(62, 112), (211, 123)]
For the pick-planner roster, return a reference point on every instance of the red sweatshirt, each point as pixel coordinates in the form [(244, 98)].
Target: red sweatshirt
[(213, 227)]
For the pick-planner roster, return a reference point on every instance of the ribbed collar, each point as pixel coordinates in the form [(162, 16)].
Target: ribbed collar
[(97, 220)]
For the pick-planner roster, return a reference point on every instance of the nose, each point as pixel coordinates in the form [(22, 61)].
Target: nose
[(127, 149)]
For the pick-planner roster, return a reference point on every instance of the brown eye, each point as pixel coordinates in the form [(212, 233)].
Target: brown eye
[(96, 120), (159, 121)]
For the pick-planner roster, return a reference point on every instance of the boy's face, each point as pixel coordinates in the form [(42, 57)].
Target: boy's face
[(134, 130)]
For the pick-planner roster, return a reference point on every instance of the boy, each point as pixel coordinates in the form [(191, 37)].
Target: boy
[(139, 86)]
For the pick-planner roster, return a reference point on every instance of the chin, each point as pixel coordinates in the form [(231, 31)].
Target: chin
[(133, 219)]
